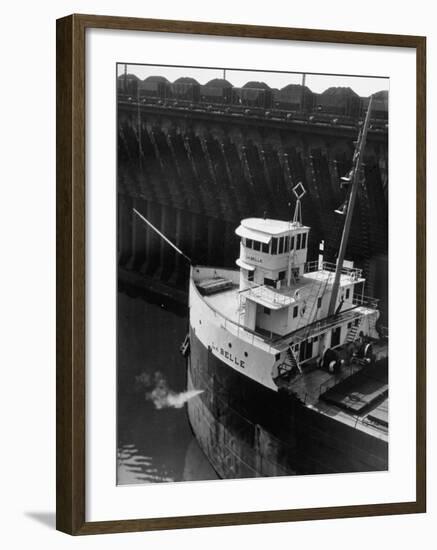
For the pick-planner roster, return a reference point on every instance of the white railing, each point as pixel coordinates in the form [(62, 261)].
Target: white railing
[(319, 326), (353, 272), (269, 294), (367, 301)]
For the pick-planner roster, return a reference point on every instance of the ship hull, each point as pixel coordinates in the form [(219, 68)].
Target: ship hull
[(249, 430)]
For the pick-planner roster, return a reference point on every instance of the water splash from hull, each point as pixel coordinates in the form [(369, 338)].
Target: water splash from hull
[(175, 400), (160, 394)]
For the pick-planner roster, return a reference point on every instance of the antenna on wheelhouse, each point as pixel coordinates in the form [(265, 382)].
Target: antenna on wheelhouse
[(347, 208), (298, 191)]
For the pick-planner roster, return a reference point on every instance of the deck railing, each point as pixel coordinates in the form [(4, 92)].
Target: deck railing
[(353, 272), (322, 325), (266, 293), (367, 301)]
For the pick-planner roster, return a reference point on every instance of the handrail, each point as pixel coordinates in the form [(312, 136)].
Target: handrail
[(369, 301), (325, 322), (264, 291), (314, 265)]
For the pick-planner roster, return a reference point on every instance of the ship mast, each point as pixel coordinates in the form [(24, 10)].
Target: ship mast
[(355, 176)]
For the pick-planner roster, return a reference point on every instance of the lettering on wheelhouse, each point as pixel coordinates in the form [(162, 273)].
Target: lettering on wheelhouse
[(229, 356), (254, 259)]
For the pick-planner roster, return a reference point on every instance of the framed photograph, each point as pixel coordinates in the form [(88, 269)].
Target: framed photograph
[(240, 274)]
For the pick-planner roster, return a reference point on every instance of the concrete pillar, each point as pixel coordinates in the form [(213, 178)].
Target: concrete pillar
[(229, 244), (164, 248), (211, 244), (147, 232), (137, 236), (246, 167), (121, 228), (266, 169), (333, 172), (208, 159), (194, 253), (179, 261), (128, 223), (152, 239), (225, 160)]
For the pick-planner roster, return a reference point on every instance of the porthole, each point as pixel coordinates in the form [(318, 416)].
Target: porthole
[(246, 354)]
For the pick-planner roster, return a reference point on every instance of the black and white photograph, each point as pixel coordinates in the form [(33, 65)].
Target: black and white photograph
[(217, 286), (252, 273)]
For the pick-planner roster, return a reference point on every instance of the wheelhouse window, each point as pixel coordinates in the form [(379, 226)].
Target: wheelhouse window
[(267, 310), (274, 245), (287, 244), (304, 240), (265, 248), (299, 240), (256, 245), (281, 245), (292, 243), (249, 243)]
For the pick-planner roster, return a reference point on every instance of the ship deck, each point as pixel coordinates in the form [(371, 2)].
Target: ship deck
[(230, 304), (357, 396)]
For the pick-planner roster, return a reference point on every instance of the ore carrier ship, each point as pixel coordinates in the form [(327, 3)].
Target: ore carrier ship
[(289, 354), (286, 359)]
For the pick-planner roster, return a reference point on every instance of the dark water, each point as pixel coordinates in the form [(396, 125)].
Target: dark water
[(154, 444)]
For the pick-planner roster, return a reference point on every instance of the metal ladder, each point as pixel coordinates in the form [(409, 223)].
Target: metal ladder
[(352, 334), (292, 358)]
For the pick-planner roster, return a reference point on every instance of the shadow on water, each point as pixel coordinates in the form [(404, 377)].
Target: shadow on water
[(154, 444)]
